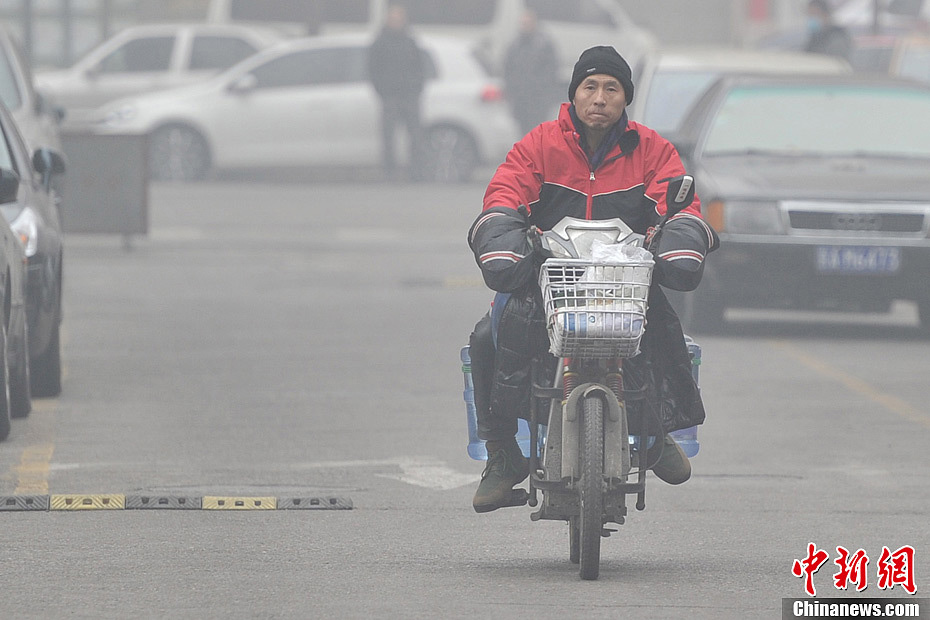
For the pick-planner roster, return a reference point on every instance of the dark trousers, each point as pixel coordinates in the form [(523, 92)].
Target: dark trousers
[(396, 111), (491, 425), (501, 362)]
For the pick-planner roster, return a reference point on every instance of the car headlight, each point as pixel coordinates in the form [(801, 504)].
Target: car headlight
[(745, 217), (26, 228), (119, 115)]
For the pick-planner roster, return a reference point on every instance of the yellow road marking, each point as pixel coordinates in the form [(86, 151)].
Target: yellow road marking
[(886, 401), (32, 471), (463, 282)]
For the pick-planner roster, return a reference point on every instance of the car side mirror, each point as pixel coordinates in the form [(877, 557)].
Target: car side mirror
[(46, 107), (9, 185), (679, 195), (48, 161), (243, 84)]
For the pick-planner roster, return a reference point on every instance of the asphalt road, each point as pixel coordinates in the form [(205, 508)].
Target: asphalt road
[(295, 341)]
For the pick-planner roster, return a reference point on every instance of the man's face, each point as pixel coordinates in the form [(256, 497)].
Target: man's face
[(599, 101), (396, 17)]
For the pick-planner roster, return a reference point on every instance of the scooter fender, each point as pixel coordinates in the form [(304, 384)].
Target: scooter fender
[(616, 433)]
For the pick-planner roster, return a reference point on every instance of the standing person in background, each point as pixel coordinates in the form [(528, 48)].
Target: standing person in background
[(398, 73), (826, 37), (530, 74)]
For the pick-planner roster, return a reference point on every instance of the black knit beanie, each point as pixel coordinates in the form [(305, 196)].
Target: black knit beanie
[(602, 59)]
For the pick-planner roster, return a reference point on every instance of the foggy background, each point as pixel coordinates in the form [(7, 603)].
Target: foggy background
[(62, 30), (298, 335)]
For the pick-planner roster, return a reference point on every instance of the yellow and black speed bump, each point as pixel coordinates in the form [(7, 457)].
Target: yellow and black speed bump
[(88, 502), (162, 502), (75, 502), (23, 502), (314, 503), (239, 503)]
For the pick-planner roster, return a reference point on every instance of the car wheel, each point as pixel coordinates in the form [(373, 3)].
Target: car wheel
[(5, 424), (178, 153), (20, 388), (451, 155), (45, 370)]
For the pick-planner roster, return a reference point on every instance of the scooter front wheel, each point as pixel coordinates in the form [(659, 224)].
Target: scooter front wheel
[(591, 487)]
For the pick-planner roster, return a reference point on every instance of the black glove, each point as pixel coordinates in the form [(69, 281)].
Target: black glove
[(534, 239)]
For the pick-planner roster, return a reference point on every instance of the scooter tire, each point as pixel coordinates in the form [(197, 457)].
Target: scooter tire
[(591, 519)]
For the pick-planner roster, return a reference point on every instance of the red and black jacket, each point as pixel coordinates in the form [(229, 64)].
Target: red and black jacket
[(549, 174)]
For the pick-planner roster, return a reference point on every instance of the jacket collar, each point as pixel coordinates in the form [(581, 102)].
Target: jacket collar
[(569, 121)]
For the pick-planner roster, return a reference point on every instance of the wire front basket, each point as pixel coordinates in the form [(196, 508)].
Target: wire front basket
[(595, 310)]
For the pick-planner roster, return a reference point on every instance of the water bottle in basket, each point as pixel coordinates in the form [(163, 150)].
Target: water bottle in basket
[(687, 437), (476, 449)]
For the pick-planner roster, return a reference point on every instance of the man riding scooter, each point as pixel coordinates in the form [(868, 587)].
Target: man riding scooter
[(591, 163)]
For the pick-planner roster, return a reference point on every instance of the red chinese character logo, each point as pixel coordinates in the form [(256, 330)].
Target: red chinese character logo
[(852, 569), (809, 565), (897, 568)]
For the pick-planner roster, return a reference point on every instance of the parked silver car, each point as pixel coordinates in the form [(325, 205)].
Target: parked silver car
[(29, 137), (146, 58), (35, 115), (308, 102)]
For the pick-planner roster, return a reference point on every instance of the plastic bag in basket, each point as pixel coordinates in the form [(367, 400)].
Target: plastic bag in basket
[(618, 253)]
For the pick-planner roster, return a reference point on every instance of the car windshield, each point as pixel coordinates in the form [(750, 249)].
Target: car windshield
[(9, 210), (9, 90), (819, 120), (6, 159), (672, 94)]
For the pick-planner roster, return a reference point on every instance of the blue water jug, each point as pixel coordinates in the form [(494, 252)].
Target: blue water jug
[(687, 437), (476, 449)]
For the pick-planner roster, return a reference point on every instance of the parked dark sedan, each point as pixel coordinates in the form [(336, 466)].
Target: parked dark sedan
[(14, 355), (34, 217), (820, 189)]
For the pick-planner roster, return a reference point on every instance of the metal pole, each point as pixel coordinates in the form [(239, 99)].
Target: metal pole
[(103, 19), (67, 32), (27, 31), (876, 21)]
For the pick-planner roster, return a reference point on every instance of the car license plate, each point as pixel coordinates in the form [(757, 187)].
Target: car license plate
[(858, 259)]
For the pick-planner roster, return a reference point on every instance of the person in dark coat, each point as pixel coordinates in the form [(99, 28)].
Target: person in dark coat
[(397, 71), (530, 74), (826, 37), (591, 163)]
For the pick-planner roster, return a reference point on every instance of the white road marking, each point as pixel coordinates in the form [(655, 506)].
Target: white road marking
[(417, 471), (431, 475)]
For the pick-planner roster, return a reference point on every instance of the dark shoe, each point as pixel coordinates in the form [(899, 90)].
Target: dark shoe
[(673, 466), (506, 468)]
